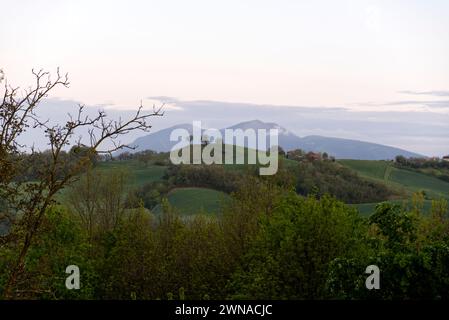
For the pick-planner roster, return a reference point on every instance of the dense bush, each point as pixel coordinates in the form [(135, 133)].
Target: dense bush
[(291, 253), (411, 251), (325, 177)]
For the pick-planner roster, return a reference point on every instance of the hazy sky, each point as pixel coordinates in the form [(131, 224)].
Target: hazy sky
[(361, 55)]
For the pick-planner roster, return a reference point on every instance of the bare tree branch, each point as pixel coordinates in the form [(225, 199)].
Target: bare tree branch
[(28, 202)]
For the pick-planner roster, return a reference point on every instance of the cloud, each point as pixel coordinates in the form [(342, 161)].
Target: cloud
[(440, 104), (172, 106), (438, 93), (423, 105), (164, 99), (421, 132), (430, 104), (211, 104)]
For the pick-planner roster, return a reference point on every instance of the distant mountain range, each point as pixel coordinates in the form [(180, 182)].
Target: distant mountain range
[(339, 148)]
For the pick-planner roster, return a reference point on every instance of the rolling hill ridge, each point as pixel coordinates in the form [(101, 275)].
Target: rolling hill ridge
[(339, 148)]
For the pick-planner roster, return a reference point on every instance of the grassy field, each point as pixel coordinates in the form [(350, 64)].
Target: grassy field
[(190, 201), (139, 173), (371, 169), (409, 181), (186, 201), (400, 179)]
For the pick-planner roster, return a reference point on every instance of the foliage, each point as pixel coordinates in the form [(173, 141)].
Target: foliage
[(434, 166), (290, 256), (325, 177), (62, 243), (412, 252), (400, 179), (279, 246)]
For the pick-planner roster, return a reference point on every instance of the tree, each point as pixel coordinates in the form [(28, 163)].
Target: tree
[(297, 155), (98, 201), (290, 256), (410, 250), (401, 160), (240, 219), (27, 203)]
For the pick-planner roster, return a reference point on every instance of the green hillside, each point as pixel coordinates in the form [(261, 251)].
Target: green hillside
[(139, 173), (241, 153), (371, 169), (189, 201), (192, 200), (394, 177)]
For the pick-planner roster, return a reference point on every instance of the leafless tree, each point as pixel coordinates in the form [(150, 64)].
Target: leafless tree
[(24, 204)]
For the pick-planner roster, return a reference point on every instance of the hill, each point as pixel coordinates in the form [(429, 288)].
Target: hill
[(139, 173), (339, 148), (191, 201), (158, 141), (392, 176), (353, 149), (191, 189)]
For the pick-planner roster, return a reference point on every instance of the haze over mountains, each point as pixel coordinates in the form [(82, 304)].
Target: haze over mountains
[(425, 133), (339, 148)]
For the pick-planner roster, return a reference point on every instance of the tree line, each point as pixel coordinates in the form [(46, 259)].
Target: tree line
[(279, 246)]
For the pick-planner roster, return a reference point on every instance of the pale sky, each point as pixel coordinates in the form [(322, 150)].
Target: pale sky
[(362, 55)]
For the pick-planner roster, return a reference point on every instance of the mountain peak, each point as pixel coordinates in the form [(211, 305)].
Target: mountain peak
[(338, 147), (258, 124)]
